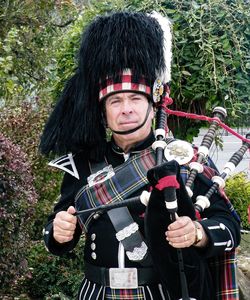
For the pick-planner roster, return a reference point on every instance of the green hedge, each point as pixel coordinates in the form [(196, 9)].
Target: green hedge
[(238, 191), (52, 276)]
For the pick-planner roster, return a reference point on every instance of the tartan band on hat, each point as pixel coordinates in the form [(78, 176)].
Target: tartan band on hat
[(125, 82)]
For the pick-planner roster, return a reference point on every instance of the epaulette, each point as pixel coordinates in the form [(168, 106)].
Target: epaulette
[(67, 164)]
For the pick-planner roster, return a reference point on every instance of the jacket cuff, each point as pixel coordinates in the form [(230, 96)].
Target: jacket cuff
[(220, 237), (52, 245)]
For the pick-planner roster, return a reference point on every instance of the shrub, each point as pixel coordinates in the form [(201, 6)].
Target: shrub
[(238, 191), (23, 124), (17, 202), (52, 275)]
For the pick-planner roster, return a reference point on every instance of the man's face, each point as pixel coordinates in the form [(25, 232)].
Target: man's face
[(125, 111)]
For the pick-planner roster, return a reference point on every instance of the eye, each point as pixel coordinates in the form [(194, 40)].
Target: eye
[(114, 101), (137, 98)]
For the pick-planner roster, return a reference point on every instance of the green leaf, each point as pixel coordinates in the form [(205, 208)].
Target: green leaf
[(186, 73)]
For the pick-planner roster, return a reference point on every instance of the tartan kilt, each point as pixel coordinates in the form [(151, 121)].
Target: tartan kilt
[(224, 269), (92, 291)]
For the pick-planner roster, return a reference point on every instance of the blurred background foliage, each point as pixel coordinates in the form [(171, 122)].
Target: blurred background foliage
[(39, 41)]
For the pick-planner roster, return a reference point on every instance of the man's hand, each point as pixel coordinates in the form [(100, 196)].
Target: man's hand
[(182, 233), (64, 225)]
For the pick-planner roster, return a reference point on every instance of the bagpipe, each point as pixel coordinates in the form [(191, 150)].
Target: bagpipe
[(170, 197)]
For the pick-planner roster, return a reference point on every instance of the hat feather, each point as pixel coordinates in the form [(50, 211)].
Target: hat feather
[(165, 24)]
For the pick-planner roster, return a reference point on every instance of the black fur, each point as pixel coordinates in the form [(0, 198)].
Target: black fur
[(109, 45)]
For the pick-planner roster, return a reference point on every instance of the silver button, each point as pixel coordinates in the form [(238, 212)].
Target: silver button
[(93, 236), (45, 232), (93, 246), (229, 243), (222, 226), (93, 255)]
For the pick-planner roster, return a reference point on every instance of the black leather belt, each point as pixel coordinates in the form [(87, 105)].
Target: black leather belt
[(100, 275)]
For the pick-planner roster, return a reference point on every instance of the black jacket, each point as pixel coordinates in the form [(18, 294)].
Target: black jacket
[(101, 246)]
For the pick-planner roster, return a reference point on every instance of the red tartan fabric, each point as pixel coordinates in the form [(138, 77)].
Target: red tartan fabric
[(92, 291), (129, 177), (222, 267), (124, 294), (126, 84)]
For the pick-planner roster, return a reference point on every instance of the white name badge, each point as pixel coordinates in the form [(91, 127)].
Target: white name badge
[(123, 278)]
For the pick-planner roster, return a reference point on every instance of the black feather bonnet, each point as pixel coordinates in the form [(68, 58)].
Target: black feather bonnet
[(109, 45)]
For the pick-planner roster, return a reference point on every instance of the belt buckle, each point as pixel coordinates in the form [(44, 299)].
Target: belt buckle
[(123, 278)]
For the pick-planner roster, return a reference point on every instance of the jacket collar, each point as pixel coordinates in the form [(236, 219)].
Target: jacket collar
[(137, 147)]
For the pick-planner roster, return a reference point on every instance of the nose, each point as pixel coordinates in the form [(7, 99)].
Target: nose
[(126, 107)]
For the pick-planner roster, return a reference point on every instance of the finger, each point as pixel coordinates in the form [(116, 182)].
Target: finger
[(61, 234), (175, 233), (62, 238), (65, 216), (64, 224), (178, 239), (181, 242), (180, 233), (179, 223), (60, 231), (71, 210)]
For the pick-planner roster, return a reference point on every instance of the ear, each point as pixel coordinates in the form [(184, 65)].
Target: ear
[(152, 113)]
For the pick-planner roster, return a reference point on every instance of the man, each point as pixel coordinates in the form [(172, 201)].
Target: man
[(121, 57)]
